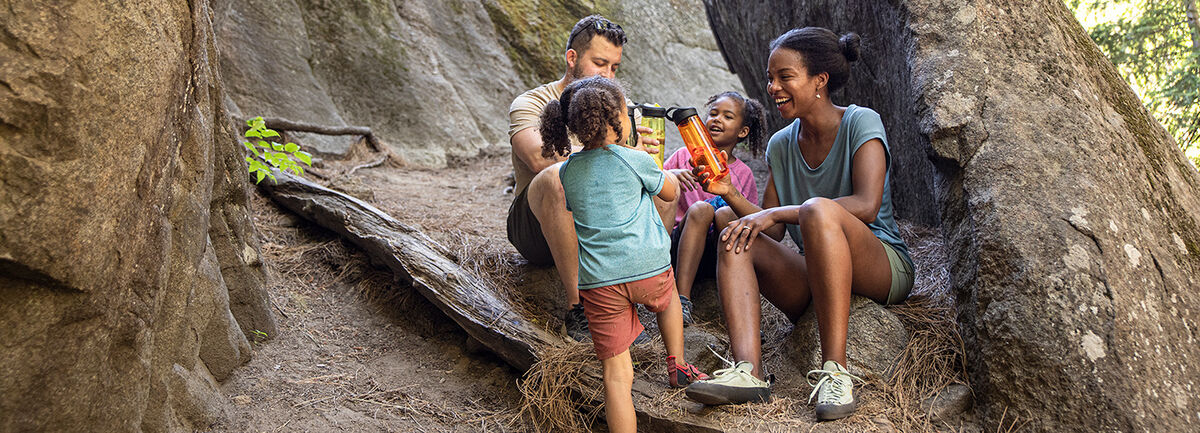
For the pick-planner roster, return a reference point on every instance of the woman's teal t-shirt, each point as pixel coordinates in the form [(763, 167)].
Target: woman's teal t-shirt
[(621, 237), (796, 181)]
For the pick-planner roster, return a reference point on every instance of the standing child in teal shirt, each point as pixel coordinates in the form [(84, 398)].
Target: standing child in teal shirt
[(624, 251)]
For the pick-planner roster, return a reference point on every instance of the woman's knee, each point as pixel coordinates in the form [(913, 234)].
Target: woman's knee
[(819, 213)]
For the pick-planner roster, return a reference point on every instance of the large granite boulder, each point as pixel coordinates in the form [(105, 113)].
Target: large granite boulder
[(123, 231), (875, 340), (433, 78), (1070, 213), (424, 75)]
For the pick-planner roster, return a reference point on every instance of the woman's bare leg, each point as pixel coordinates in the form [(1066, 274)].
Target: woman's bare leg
[(780, 274), (843, 256)]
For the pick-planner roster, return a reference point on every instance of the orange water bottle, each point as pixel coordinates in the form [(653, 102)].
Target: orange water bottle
[(699, 143)]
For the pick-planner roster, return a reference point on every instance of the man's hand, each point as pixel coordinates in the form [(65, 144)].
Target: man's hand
[(645, 143)]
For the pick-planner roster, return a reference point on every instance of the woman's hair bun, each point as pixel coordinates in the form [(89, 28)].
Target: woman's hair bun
[(849, 44)]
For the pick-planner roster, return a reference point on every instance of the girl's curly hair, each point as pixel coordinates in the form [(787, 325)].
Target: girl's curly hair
[(588, 108), (753, 117)]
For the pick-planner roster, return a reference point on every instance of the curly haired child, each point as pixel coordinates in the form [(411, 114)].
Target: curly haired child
[(624, 251), (732, 119)]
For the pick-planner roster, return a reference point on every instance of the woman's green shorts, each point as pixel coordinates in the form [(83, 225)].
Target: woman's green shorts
[(902, 275)]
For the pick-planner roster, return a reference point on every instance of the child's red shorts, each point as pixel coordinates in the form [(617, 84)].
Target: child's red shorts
[(612, 317)]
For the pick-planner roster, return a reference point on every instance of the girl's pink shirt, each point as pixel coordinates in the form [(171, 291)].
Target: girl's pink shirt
[(740, 175)]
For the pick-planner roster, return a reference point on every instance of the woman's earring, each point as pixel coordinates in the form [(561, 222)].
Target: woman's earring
[(818, 96)]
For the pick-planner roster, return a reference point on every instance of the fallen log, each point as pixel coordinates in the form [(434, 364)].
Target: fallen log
[(490, 318), (413, 256)]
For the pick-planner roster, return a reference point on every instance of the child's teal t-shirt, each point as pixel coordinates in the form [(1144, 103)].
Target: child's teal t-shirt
[(621, 237), (796, 181)]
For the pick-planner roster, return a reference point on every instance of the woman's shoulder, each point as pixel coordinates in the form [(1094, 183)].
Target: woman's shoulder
[(858, 116)]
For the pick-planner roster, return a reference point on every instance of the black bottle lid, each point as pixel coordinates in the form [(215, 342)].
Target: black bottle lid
[(652, 111), (680, 115)]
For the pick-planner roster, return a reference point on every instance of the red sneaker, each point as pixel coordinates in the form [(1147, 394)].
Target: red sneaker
[(680, 375)]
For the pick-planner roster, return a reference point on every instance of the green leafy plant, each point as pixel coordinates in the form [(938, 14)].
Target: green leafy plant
[(259, 335), (278, 155)]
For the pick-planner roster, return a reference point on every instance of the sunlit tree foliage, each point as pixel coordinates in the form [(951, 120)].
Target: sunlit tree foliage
[(1156, 46)]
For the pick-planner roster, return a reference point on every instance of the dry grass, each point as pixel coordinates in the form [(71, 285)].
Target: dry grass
[(934, 357), (549, 400)]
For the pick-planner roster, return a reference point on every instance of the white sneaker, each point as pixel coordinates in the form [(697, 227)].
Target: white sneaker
[(732, 385), (834, 390)]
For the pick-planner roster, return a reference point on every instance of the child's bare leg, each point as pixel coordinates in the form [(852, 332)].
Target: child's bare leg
[(618, 393), (691, 245), (670, 325)]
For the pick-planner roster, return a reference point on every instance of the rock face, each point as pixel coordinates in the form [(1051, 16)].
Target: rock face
[(124, 236), (875, 339), (1071, 214), (434, 78)]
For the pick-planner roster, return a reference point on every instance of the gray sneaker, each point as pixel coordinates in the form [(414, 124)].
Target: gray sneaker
[(834, 390), (686, 305), (730, 386)]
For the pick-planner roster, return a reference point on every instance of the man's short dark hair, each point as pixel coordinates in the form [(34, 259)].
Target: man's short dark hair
[(590, 26)]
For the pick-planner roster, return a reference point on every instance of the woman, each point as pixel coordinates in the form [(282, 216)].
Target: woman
[(829, 185)]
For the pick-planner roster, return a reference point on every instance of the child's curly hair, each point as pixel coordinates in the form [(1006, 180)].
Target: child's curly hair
[(588, 108), (753, 117)]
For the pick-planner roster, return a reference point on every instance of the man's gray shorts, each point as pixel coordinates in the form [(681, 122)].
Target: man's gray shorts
[(525, 232)]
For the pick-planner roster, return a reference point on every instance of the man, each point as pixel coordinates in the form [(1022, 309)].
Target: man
[(539, 225)]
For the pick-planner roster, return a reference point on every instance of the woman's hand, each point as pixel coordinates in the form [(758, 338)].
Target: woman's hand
[(687, 180), (740, 233)]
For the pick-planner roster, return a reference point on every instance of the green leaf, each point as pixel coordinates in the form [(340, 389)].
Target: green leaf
[(264, 144), (253, 133), (261, 175), (269, 133), (304, 157), (277, 146), (291, 147)]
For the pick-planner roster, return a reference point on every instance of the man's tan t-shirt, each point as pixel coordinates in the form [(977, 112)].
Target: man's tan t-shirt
[(526, 112)]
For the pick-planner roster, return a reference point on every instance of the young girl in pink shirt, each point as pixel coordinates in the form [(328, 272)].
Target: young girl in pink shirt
[(732, 118)]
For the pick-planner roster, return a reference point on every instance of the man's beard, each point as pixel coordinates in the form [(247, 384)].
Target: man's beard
[(577, 72)]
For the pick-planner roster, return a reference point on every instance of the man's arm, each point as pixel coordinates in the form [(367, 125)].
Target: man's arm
[(527, 145)]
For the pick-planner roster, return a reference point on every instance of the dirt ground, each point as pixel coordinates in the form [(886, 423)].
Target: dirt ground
[(356, 352)]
